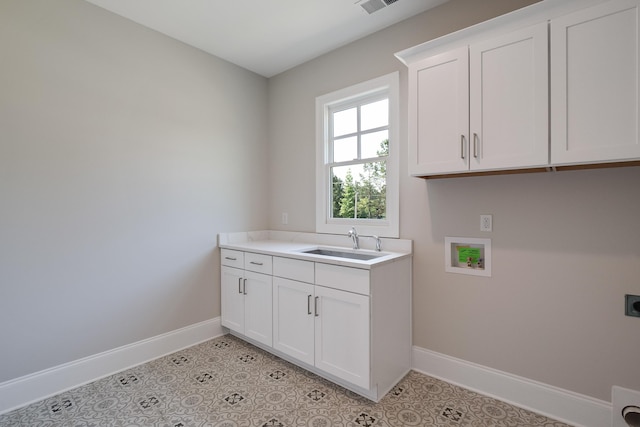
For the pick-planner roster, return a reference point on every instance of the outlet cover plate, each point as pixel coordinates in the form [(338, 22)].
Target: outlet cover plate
[(631, 303), (486, 222)]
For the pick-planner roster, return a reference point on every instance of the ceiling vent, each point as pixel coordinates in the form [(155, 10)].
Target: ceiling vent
[(375, 5)]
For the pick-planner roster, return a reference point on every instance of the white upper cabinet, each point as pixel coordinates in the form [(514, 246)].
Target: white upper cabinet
[(594, 81), (483, 106), (439, 113), (551, 86), (509, 87)]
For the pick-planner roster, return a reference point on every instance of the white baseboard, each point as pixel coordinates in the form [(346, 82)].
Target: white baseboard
[(562, 405), (31, 388)]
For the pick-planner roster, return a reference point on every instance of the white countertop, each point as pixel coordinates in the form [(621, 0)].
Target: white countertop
[(289, 245)]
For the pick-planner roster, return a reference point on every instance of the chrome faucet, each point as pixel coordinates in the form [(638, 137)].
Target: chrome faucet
[(378, 243), (354, 236)]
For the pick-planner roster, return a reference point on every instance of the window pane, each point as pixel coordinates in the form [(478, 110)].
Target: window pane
[(375, 115), (345, 149), (345, 122), (375, 144), (359, 191)]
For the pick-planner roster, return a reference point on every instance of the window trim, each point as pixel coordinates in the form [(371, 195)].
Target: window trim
[(388, 227)]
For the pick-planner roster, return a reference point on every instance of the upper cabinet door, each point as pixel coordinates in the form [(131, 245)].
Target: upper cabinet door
[(594, 81), (509, 100), (439, 113)]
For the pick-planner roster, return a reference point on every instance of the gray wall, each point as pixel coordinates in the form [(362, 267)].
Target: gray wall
[(565, 245), (122, 154)]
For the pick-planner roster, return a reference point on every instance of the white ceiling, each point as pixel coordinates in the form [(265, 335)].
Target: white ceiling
[(264, 36)]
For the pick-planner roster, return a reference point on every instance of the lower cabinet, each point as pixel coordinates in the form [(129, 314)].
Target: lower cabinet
[(323, 327), (232, 309), (258, 307), (350, 325), (342, 335), (246, 301), (294, 319)]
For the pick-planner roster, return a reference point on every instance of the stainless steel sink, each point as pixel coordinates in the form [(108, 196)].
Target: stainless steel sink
[(343, 254)]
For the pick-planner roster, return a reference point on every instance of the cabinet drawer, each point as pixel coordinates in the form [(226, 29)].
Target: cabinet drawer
[(258, 263), (294, 269), (232, 258), (343, 278)]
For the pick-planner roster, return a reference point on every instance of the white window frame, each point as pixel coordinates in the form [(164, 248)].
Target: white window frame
[(389, 227)]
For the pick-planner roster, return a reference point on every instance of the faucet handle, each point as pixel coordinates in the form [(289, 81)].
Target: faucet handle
[(353, 234), (378, 243)]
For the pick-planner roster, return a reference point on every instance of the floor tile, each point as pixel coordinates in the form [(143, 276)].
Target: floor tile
[(226, 382)]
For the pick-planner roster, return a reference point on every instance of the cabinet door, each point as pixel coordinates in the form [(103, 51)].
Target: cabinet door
[(232, 299), (509, 100), (258, 307), (293, 318), (594, 76), (439, 114), (342, 335)]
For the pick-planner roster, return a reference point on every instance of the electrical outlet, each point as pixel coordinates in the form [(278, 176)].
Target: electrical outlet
[(285, 218), (632, 305), (486, 222)]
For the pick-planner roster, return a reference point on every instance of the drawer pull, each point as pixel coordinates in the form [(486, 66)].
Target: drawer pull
[(309, 304), (255, 263), (316, 307), (231, 258), (239, 289)]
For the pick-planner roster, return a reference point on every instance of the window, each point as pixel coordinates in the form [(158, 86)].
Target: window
[(357, 159)]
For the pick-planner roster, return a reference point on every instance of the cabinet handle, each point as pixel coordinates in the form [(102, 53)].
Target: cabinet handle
[(255, 263), (475, 145), (315, 306), (309, 304), (462, 147), (239, 281), (231, 258), (244, 287)]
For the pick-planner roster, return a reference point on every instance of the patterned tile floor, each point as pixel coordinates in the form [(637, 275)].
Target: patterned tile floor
[(226, 382)]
